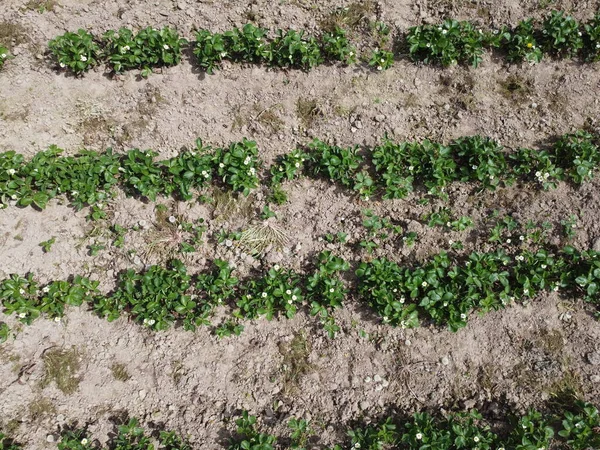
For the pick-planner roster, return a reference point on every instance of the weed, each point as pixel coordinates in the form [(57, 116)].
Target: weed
[(119, 372), (295, 362), (61, 367)]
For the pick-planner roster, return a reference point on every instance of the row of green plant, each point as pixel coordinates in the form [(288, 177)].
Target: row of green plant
[(149, 48), (392, 170), (453, 42), (88, 178), (576, 428), (447, 43), (443, 290)]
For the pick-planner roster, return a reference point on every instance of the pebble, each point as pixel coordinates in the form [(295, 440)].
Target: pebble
[(142, 394), (445, 361), (50, 438), (597, 245), (358, 124), (595, 378), (594, 358), (377, 379), (379, 118), (60, 418)]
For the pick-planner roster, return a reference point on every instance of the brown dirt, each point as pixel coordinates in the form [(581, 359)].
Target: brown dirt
[(193, 382)]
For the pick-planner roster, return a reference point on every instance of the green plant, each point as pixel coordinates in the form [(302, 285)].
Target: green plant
[(209, 50), (561, 35), (47, 245), (532, 431), (229, 328), (8, 444), (4, 55), (140, 175), (4, 333), (76, 51), (381, 59), (146, 49), (132, 437), (287, 167), (522, 45), (580, 429), (277, 291), (569, 226), (248, 437), (577, 154), (301, 432), (338, 164), (189, 170), (449, 43), (75, 440), (591, 40), (479, 159), (337, 47), (236, 166), (293, 49)]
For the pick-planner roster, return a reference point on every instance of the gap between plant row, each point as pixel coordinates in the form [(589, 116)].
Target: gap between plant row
[(390, 170), (574, 427)]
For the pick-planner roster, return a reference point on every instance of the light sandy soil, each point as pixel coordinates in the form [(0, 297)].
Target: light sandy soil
[(193, 382)]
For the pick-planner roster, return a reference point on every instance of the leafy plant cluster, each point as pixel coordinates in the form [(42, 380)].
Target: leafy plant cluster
[(398, 167), (575, 428), (4, 55), (88, 177), (121, 50), (446, 291), (454, 42), (287, 49), (442, 290)]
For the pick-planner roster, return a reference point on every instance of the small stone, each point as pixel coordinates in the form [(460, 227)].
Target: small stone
[(142, 394), (445, 361), (368, 380), (50, 438), (596, 247), (447, 107), (408, 342), (594, 358), (353, 130), (534, 105), (377, 379), (379, 387), (595, 378), (379, 118), (358, 124), (60, 418), (385, 383)]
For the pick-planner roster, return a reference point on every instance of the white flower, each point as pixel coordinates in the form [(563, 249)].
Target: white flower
[(474, 167), (83, 58), (166, 47), (294, 298), (476, 439), (172, 219), (3, 55), (538, 174), (382, 60), (351, 54), (357, 445), (544, 266), (290, 302), (23, 315), (379, 68), (385, 318), (151, 322), (428, 45), (526, 291), (331, 290), (252, 171), (11, 171), (221, 165), (22, 291), (424, 284), (127, 48), (508, 241), (14, 197), (297, 164), (521, 238), (276, 267), (491, 177), (62, 65), (223, 54), (579, 33), (555, 288), (444, 31), (57, 319), (205, 173), (411, 168), (419, 436), (402, 299), (46, 289), (288, 292), (84, 441), (463, 316), (264, 295)]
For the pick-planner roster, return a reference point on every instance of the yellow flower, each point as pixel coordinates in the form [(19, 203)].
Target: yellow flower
[(529, 45)]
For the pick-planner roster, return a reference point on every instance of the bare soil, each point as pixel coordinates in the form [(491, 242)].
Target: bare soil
[(193, 382)]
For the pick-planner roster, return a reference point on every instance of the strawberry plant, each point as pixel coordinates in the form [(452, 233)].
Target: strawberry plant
[(287, 167), (293, 49), (237, 166), (189, 170), (521, 43), (209, 50), (338, 164), (561, 35), (537, 165), (248, 45), (144, 50), (47, 245), (580, 428), (578, 155), (4, 55), (78, 51), (531, 431), (381, 59), (75, 440), (4, 334), (19, 295), (140, 175), (591, 40), (479, 159), (337, 47), (449, 43), (277, 291), (248, 437)]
